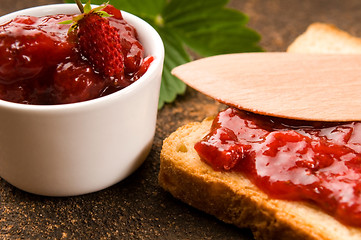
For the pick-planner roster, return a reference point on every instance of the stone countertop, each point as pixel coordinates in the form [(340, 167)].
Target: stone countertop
[(137, 208)]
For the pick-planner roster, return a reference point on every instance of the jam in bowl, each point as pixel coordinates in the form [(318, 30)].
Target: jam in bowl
[(59, 144)]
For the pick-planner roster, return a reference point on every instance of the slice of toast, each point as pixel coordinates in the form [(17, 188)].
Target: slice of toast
[(325, 38), (233, 198)]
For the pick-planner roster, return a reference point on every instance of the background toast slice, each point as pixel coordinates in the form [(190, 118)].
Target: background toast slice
[(233, 198), (325, 38)]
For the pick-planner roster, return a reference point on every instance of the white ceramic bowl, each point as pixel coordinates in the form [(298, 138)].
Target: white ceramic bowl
[(78, 148)]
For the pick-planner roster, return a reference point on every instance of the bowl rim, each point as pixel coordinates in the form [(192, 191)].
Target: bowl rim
[(157, 51)]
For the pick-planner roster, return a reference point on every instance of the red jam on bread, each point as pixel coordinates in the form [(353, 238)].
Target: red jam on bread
[(40, 63), (291, 159)]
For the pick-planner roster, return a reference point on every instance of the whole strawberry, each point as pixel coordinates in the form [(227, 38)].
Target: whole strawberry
[(99, 42)]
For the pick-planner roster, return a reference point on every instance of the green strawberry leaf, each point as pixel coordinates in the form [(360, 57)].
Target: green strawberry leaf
[(206, 27), (66, 22), (175, 55), (209, 29), (87, 7)]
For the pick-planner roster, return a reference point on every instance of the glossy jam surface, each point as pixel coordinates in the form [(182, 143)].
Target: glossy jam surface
[(293, 160), (40, 64)]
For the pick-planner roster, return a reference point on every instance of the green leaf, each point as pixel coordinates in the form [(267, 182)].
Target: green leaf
[(146, 9), (104, 14), (175, 55), (87, 7), (66, 22), (207, 27)]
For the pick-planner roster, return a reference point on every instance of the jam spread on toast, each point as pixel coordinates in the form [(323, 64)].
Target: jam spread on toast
[(288, 159)]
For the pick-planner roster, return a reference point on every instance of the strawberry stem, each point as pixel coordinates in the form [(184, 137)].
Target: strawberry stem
[(80, 6)]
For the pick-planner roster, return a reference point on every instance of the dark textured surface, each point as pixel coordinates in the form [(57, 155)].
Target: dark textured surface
[(138, 208)]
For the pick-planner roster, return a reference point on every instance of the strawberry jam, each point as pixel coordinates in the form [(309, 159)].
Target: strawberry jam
[(40, 63), (290, 159)]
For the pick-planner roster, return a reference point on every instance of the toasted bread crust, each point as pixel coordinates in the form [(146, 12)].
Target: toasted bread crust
[(233, 198)]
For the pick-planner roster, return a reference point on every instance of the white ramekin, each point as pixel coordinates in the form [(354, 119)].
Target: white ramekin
[(78, 148)]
